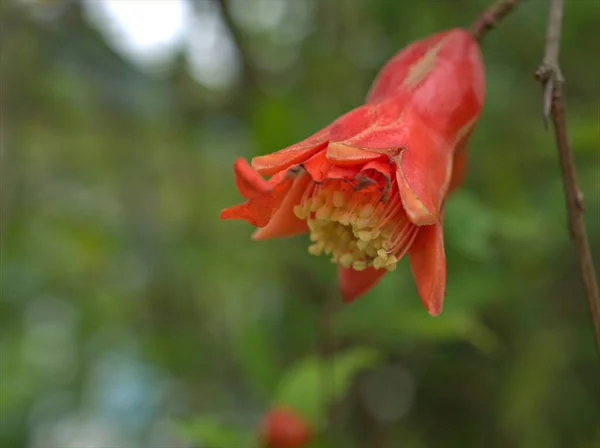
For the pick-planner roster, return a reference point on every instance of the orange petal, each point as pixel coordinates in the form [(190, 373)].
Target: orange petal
[(459, 64), (421, 72), (428, 264), (264, 198), (293, 155), (396, 71), (352, 123), (317, 166), (320, 168), (343, 154), (356, 283), (381, 165), (374, 176), (381, 140), (459, 169), (284, 222), (460, 162), (378, 130), (423, 171), (258, 211), (249, 183)]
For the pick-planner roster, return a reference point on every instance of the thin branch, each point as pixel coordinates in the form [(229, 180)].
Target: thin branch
[(488, 18), (550, 76), (549, 72)]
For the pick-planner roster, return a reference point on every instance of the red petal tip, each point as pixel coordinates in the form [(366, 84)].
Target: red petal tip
[(354, 284), (434, 309)]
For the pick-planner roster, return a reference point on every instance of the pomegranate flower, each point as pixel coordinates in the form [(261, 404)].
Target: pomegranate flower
[(371, 186)]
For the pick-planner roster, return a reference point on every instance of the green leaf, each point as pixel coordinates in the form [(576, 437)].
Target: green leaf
[(469, 225), (210, 432), (313, 384), (256, 355), (450, 326), (392, 322)]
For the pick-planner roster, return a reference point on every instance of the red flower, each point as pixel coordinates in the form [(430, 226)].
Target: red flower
[(371, 186), (284, 428)]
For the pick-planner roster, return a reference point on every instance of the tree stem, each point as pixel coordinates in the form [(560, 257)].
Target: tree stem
[(492, 15), (550, 76)]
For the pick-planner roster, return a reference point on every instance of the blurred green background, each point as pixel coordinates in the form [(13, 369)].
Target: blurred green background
[(132, 317)]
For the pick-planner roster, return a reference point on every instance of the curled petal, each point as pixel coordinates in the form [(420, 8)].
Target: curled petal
[(381, 140), (317, 166), (382, 132), (343, 154), (423, 172), (374, 175), (428, 263), (284, 222), (249, 183), (320, 168), (270, 164), (352, 123), (356, 283), (264, 198), (381, 166)]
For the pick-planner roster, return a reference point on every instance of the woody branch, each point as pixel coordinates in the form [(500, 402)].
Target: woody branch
[(492, 15), (550, 76)]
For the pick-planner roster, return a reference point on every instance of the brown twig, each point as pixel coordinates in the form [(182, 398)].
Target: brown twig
[(488, 18), (550, 75)]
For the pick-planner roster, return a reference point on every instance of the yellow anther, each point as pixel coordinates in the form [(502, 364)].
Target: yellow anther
[(359, 265), (300, 212), (329, 246), (316, 249), (365, 235), (371, 251), (346, 260), (324, 212), (362, 245), (362, 223), (317, 203), (344, 218), (354, 230), (366, 211), (335, 214), (339, 199), (378, 263)]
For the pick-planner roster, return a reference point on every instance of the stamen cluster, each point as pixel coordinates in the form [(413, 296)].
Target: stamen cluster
[(358, 229)]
